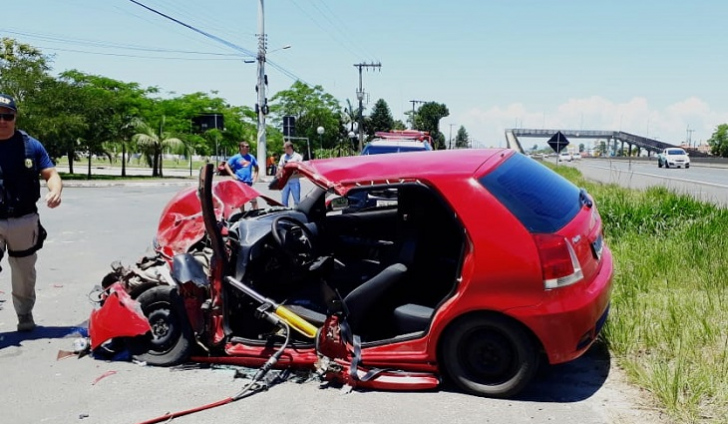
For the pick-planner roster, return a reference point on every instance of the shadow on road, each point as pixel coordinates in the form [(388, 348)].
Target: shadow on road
[(573, 381), (14, 338)]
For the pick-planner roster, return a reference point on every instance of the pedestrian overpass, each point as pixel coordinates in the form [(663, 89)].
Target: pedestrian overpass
[(612, 139)]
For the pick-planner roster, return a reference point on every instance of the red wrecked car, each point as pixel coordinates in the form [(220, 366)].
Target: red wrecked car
[(395, 271)]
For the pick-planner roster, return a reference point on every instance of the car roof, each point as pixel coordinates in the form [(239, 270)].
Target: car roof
[(344, 173)]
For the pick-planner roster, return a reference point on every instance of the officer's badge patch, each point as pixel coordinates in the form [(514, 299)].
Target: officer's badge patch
[(29, 163)]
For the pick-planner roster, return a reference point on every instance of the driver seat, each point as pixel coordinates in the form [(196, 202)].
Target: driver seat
[(359, 301)]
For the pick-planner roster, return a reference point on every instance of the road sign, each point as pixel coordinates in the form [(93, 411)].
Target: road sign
[(558, 141)]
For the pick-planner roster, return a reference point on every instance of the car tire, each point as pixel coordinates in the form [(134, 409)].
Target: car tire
[(659, 164), (489, 356), (171, 340), (687, 166)]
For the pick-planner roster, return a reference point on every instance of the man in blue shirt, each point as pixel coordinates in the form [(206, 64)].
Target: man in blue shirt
[(22, 159), (244, 168)]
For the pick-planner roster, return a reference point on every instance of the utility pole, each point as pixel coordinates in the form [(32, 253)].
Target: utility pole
[(451, 136), (262, 106), (689, 137), (414, 102), (360, 97)]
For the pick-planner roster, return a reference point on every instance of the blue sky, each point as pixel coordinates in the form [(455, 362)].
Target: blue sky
[(652, 68)]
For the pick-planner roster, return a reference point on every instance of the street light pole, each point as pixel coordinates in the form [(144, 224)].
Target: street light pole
[(320, 131), (262, 106)]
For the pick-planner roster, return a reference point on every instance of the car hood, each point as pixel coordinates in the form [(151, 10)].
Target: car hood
[(181, 224)]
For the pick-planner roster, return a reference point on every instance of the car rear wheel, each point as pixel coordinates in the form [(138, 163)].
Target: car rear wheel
[(170, 341), (489, 356)]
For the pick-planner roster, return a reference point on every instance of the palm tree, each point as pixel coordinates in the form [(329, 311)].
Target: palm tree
[(153, 144)]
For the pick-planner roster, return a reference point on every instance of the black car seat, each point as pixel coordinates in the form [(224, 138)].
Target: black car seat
[(361, 301)]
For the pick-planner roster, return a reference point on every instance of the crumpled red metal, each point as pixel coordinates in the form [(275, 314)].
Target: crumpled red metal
[(118, 316), (181, 225)]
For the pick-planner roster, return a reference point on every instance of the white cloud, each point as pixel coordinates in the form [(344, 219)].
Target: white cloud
[(635, 116)]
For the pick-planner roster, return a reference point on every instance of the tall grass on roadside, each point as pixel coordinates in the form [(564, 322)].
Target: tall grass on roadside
[(668, 325)]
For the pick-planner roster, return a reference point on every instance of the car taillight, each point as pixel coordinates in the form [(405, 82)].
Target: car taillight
[(559, 263)]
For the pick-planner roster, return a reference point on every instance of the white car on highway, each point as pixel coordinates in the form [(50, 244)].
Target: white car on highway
[(673, 157)]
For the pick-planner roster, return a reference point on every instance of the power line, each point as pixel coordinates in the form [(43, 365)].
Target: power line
[(199, 15), (206, 34), (52, 38), (135, 56), (336, 26), (218, 39), (322, 28)]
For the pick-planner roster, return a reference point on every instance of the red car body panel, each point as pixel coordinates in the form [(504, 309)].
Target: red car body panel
[(121, 316), (505, 279), (496, 277)]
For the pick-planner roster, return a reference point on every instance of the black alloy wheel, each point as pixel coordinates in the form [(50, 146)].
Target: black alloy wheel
[(171, 339), (489, 356)]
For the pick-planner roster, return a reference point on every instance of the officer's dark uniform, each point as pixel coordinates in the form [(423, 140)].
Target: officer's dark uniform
[(20, 231)]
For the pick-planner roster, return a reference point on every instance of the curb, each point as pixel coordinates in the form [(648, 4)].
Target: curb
[(126, 183)]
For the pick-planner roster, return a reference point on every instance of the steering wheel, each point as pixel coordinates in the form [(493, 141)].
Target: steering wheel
[(294, 238)]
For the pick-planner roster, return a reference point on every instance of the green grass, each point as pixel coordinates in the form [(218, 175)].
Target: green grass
[(668, 326)]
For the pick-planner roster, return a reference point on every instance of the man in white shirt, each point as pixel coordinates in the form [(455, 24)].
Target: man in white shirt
[(293, 186)]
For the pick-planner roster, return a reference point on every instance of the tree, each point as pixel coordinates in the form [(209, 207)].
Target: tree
[(102, 103), (380, 119), (428, 118), (59, 132), (153, 141), (24, 76), (312, 107), (462, 140), (22, 66), (603, 148), (718, 142)]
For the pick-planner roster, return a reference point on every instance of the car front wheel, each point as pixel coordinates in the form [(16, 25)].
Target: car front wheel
[(489, 356), (170, 341)]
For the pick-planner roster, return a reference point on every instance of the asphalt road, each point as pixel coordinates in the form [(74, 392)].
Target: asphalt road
[(702, 182), (95, 226)]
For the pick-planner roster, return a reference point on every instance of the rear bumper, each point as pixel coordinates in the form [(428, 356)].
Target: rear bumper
[(570, 319)]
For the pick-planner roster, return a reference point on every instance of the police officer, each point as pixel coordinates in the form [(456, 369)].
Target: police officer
[(22, 158)]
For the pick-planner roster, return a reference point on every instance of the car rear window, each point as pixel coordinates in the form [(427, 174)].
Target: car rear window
[(541, 199)]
